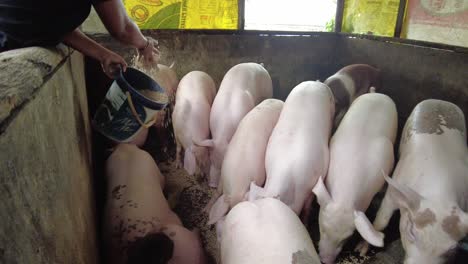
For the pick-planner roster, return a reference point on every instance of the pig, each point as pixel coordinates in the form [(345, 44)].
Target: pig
[(191, 120), (242, 88), (138, 222), (297, 153), (358, 152), (429, 185), (349, 83), (244, 161), (265, 231)]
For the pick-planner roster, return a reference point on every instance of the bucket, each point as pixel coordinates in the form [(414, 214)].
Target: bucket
[(130, 105)]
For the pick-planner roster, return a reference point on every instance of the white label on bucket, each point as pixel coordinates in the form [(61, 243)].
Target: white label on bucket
[(115, 96)]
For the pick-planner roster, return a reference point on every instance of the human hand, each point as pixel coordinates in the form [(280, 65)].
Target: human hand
[(109, 60), (150, 53)]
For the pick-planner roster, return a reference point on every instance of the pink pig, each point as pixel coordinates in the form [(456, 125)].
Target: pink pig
[(297, 153), (191, 120), (429, 184), (244, 161), (265, 231), (243, 87), (361, 147), (349, 83)]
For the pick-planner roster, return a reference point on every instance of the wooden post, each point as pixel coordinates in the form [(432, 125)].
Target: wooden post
[(339, 15), (400, 19), (241, 15)]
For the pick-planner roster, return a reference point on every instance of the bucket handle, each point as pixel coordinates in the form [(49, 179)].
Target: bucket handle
[(134, 112)]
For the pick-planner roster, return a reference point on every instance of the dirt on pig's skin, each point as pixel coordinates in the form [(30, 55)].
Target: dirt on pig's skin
[(188, 196)]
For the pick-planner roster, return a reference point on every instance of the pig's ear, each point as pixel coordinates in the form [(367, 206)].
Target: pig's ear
[(464, 223), (219, 229), (219, 210), (256, 192), (190, 163), (367, 231), (208, 143), (402, 195), (320, 190)]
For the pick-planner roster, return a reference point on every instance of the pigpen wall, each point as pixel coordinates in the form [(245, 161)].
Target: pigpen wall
[(411, 72)]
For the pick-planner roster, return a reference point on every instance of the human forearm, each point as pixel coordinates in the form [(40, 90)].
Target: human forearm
[(121, 27), (79, 41), (108, 59), (114, 17), (130, 35)]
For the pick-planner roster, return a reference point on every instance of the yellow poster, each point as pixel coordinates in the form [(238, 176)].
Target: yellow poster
[(375, 17), (183, 14)]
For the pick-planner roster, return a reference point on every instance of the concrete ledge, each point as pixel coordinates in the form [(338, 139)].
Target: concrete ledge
[(47, 205), (23, 71)]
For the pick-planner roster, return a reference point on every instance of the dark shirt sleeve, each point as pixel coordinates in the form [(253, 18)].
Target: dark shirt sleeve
[(40, 23)]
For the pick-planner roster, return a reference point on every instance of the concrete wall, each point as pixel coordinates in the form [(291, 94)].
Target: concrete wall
[(410, 73), (46, 196), (290, 60)]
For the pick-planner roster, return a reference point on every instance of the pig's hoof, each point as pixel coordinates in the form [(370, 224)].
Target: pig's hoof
[(362, 248)]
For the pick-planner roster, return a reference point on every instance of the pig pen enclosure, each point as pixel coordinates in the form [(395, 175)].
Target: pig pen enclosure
[(411, 72)]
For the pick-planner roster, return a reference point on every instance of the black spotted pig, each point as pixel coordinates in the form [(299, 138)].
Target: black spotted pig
[(349, 83), (137, 219), (430, 184)]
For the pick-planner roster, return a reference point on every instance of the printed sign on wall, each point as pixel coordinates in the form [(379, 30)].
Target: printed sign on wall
[(183, 14), (444, 13)]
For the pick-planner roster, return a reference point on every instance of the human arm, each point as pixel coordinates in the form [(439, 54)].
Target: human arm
[(79, 41), (114, 17)]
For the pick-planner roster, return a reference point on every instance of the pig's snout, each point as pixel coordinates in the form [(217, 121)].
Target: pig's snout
[(327, 259), (328, 253)]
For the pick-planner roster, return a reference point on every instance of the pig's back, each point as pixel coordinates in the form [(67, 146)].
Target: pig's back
[(306, 114), (370, 116), (433, 151), (248, 146), (191, 114), (264, 231), (135, 188), (362, 147), (196, 86), (260, 120), (250, 77)]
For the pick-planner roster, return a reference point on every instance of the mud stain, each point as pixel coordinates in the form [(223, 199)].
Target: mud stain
[(431, 116), (424, 218), (451, 225)]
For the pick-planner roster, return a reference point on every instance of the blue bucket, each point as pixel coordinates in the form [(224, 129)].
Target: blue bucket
[(131, 104)]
